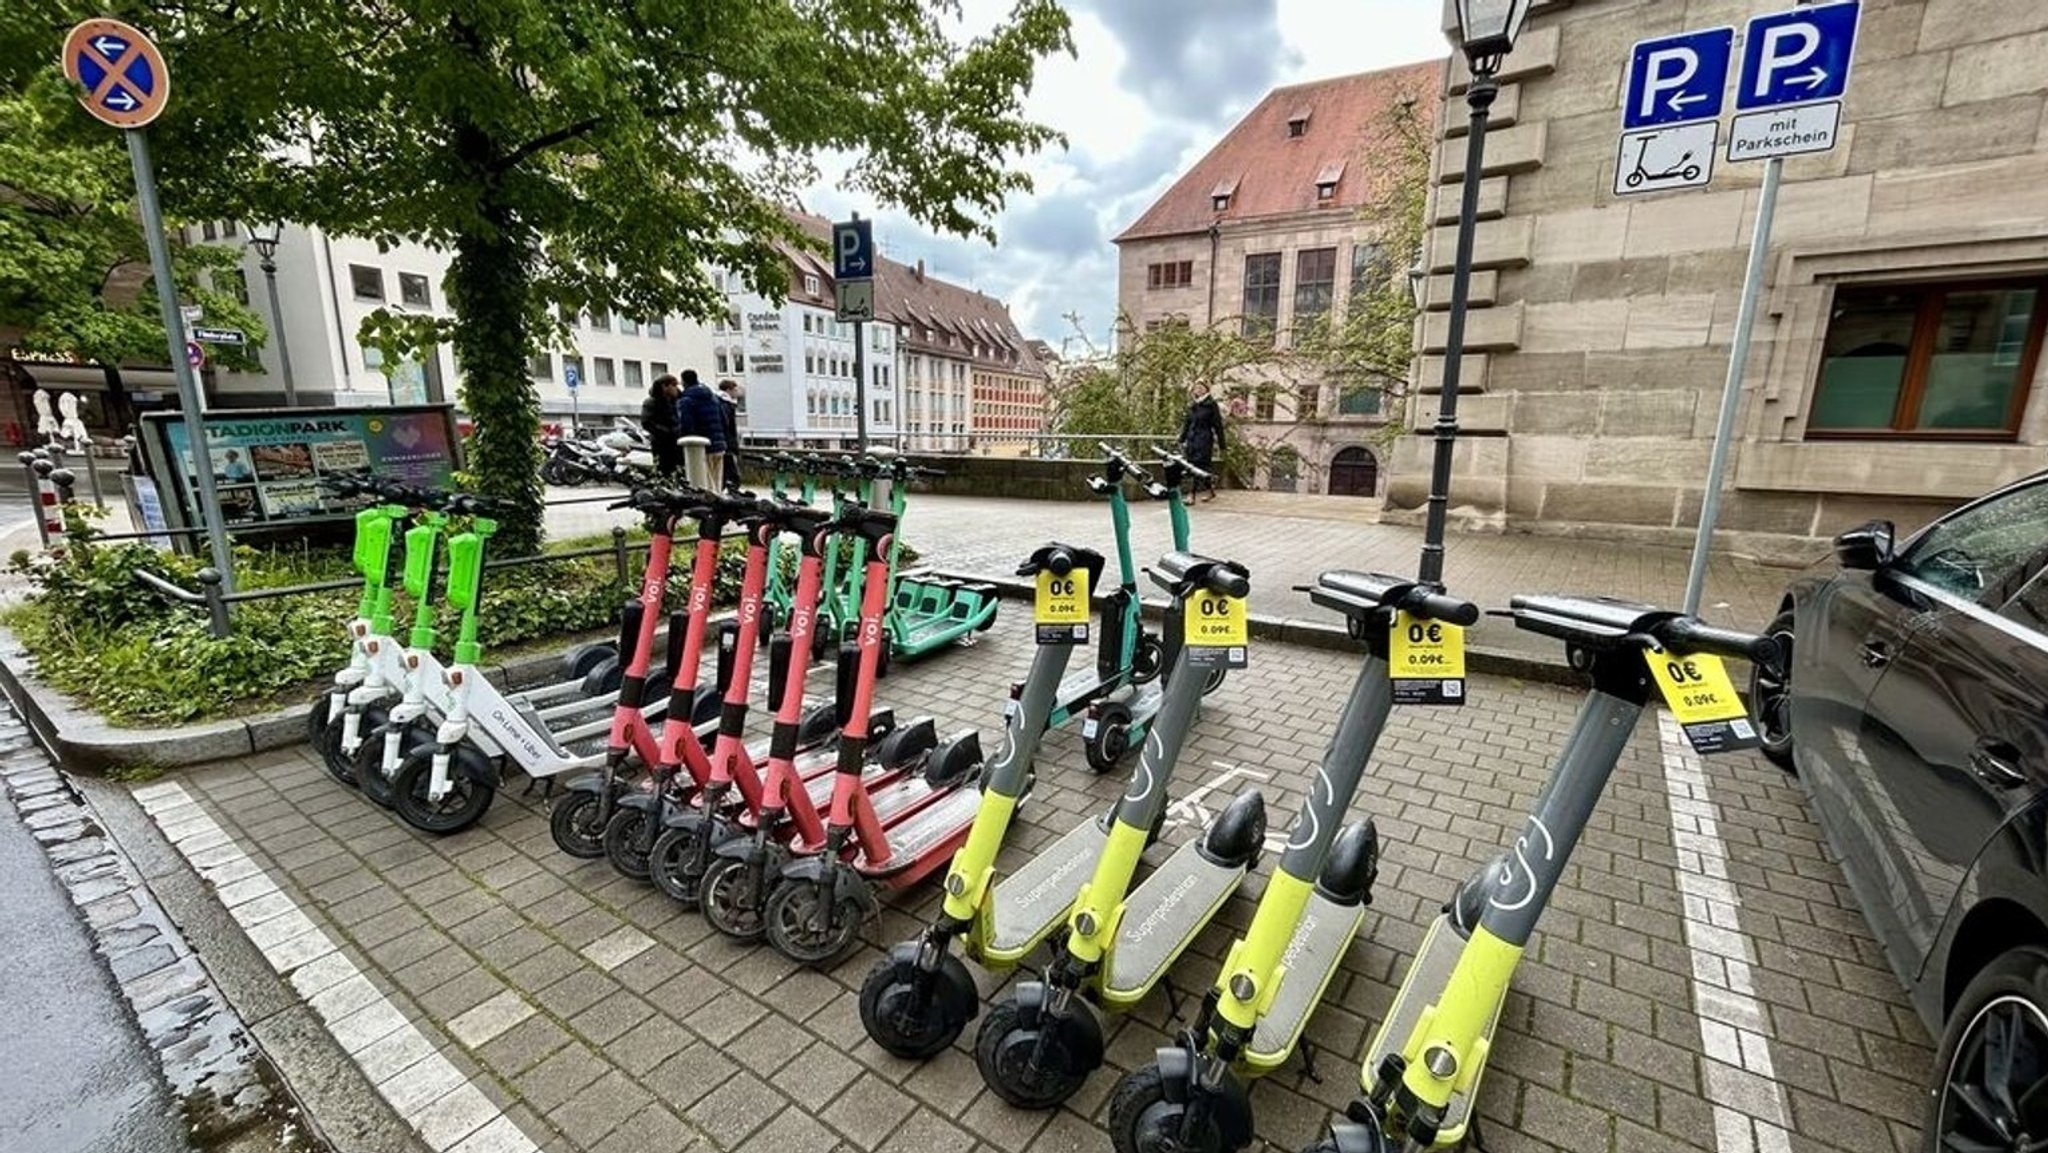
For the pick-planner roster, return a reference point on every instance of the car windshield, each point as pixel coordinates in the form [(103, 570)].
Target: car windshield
[(1986, 552)]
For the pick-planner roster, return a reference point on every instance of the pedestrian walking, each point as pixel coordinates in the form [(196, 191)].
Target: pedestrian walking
[(1201, 436), (658, 417), (698, 413), (729, 394)]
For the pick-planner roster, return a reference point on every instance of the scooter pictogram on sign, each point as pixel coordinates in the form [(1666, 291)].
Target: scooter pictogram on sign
[(1661, 159)]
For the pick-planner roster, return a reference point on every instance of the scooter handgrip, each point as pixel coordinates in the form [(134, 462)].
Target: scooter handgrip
[(1690, 634), (1060, 562), (1442, 607), (1226, 581)]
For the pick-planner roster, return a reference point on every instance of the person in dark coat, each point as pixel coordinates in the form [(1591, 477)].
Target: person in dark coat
[(658, 417), (699, 413), (729, 394), (1201, 436)]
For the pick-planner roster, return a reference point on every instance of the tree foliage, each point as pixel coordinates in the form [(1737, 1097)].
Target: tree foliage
[(584, 155), (1362, 350), (74, 269)]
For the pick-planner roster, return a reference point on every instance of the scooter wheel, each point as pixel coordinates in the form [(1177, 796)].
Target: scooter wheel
[(467, 798), (1112, 738), (671, 865), (1142, 1120), (1148, 661), (789, 914), (624, 842), (368, 764), (910, 1026), (1003, 1049), (325, 732), (727, 904), (574, 822), (1213, 682)]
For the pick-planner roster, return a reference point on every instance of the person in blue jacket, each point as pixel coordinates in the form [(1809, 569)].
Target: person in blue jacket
[(699, 412)]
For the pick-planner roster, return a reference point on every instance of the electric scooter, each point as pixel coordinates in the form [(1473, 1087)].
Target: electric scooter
[(742, 870), (643, 815), (814, 912), (1190, 1097), (374, 667), (389, 732), (1422, 1071), (926, 612), (915, 1002), (1036, 1048)]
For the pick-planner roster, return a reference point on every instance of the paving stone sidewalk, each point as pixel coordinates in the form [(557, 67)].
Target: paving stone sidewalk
[(593, 1014)]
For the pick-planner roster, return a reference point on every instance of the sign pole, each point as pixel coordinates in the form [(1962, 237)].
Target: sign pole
[(1731, 388), (860, 390), (189, 398)]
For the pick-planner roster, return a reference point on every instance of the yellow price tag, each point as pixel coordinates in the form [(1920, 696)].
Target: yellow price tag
[(1213, 620), (1702, 698), (1062, 600), (1427, 661)]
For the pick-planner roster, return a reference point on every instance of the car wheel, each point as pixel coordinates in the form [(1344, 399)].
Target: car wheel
[(1993, 1063), (1770, 696)]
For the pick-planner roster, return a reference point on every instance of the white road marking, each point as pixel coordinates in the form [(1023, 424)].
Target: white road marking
[(1750, 1115), (450, 1113)]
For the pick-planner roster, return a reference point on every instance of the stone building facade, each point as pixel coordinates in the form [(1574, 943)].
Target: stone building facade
[(1266, 230), (1896, 368)]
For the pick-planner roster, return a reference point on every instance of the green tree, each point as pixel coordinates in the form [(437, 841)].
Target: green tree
[(1144, 388), (74, 269), (582, 154)]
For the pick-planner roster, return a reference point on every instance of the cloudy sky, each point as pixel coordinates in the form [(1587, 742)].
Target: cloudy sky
[(1153, 85)]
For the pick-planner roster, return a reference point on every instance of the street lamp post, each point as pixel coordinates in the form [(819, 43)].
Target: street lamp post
[(1486, 33), (265, 237)]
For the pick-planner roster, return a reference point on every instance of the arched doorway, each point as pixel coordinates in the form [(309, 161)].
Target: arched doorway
[(1355, 472), (1283, 472)]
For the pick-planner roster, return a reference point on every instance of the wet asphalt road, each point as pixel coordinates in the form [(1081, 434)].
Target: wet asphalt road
[(78, 1076)]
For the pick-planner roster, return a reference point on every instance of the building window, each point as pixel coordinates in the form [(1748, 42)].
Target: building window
[(1358, 400), (229, 230), (739, 361), (1261, 295), (367, 282), (1370, 271), (601, 320), (607, 372), (634, 379), (1931, 360), (657, 328), (718, 358), (1262, 404), (413, 290), (810, 363), (238, 285), (657, 369), (1308, 401), (540, 366), (810, 284), (209, 231), (628, 326), (1315, 282)]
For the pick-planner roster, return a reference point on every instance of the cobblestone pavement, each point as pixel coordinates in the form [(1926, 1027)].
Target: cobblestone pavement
[(1285, 546), (597, 1016)]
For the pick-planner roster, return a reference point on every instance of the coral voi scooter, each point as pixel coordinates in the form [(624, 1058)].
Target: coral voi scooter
[(918, 999), (1036, 1048), (742, 870), (680, 797), (1190, 1096)]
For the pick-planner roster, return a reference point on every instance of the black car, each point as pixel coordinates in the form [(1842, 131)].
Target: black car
[(1914, 706)]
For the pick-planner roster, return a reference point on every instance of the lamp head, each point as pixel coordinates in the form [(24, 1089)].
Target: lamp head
[(1487, 31)]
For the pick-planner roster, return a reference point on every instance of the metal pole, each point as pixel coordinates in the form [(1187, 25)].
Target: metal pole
[(92, 476), (860, 391), (284, 348), (1480, 97), (1731, 389), (189, 399)]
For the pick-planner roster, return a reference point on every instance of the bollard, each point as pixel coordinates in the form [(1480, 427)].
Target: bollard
[(92, 477), (619, 557), (696, 466), (216, 601), (48, 512), (67, 485), (35, 498)]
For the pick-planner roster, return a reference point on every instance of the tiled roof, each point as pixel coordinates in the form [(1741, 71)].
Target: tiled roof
[(1267, 172), (910, 297)]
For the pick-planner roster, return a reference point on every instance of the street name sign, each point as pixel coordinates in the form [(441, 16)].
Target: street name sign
[(120, 74), (1794, 76), (234, 336)]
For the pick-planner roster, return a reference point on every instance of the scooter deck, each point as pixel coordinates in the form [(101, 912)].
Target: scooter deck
[(1161, 917), (1424, 986), (1030, 903), (1321, 938), (916, 839), (1080, 690)]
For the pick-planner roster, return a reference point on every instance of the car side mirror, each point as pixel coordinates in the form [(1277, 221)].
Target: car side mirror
[(1865, 548)]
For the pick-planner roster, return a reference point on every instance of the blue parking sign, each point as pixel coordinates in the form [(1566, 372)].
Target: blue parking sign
[(1797, 57), (1677, 79)]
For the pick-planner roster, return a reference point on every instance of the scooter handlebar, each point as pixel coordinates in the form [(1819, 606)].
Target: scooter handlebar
[(1441, 607), (1227, 580), (1692, 635)]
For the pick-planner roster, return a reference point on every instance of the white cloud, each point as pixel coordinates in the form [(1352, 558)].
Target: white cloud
[(1153, 85)]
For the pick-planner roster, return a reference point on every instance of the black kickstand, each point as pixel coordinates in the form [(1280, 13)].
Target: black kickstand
[(528, 790), (1172, 1001), (1474, 1139), (1308, 1061)]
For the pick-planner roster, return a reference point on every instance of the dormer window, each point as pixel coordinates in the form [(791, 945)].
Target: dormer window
[(1297, 123), (1219, 196), (1327, 180)]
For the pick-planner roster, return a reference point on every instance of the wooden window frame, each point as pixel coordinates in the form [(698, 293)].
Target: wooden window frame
[(1933, 300)]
